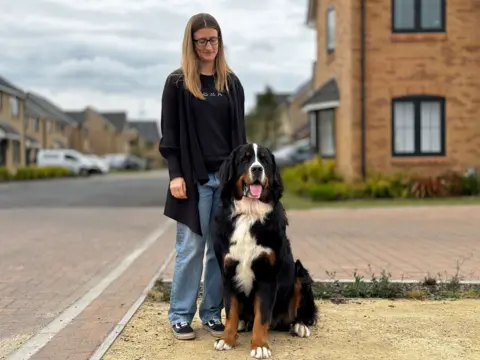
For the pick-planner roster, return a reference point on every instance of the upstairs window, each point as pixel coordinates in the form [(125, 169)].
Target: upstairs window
[(330, 30), (413, 16)]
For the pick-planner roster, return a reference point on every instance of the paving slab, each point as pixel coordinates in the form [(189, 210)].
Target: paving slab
[(408, 242), (50, 258)]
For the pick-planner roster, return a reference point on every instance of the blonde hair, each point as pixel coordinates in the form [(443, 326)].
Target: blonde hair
[(190, 61)]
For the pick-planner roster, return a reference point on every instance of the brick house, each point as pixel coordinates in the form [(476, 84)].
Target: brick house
[(147, 141), (47, 126), (124, 135), (94, 134), (396, 85), (12, 142)]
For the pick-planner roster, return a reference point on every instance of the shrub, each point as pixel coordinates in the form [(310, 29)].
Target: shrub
[(5, 175), (386, 186), (471, 185), (323, 192), (300, 178), (34, 173)]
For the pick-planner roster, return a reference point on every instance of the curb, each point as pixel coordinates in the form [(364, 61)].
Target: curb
[(118, 328)]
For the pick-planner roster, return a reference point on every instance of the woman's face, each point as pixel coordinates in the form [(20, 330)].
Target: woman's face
[(206, 44)]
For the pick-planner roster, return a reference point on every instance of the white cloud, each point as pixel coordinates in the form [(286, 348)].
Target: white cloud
[(116, 54)]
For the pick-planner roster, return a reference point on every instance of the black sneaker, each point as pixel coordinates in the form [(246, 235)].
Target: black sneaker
[(183, 331), (214, 327)]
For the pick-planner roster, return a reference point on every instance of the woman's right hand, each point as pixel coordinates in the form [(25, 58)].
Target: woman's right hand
[(178, 188)]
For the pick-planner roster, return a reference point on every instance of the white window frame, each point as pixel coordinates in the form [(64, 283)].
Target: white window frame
[(330, 29), (14, 106)]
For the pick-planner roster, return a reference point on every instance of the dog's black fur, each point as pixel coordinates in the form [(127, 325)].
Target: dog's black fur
[(281, 291)]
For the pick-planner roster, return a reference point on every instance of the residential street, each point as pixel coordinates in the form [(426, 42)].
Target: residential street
[(91, 244)]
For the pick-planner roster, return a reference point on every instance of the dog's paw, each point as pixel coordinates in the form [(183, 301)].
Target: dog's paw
[(242, 326), (220, 345), (300, 330), (260, 352)]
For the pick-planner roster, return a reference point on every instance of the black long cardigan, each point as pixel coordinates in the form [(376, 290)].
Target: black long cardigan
[(179, 144)]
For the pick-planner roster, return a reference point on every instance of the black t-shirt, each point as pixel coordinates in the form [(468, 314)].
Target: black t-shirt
[(213, 124)]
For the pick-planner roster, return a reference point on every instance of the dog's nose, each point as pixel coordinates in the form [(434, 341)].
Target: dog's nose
[(257, 169)]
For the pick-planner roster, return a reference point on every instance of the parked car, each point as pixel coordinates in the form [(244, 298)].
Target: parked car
[(72, 160), (100, 164), (293, 154), (125, 162)]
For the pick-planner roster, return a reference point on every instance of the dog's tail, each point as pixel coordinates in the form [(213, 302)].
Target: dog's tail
[(308, 310)]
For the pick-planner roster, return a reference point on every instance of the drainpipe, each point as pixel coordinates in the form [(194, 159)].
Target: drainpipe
[(362, 89)]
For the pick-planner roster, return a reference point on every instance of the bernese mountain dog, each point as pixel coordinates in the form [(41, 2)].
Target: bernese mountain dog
[(262, 283)]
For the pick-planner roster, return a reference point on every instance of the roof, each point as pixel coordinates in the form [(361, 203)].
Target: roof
[(7, 87), (147, 129), (34, 110), (57, 113), (281, 98), (327, 93), (77, 116), (118, 119), (8, 131)]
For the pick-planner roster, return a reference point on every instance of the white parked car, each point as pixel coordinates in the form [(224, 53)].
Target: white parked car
[(102, 165), (69, 159)]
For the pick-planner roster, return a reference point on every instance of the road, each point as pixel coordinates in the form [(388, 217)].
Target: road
[(75, 254), (118, 190)]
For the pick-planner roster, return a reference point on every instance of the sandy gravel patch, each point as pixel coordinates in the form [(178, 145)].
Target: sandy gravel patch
[(357, 330), (11, 344)]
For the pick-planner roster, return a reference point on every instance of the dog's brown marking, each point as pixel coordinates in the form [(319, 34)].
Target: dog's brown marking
[(296, 298), (239, 187), (259, 331), (231, 323), (227, 260), (271, 257)]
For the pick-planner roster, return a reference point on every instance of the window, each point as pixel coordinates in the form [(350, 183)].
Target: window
[(330, 30), (14, 106), (36, 124), (418, 126), (322, 132), (418, 16), (313, 129), (326, 132)]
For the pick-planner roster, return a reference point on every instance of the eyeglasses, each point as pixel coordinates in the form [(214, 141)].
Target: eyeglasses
[(203, 41)]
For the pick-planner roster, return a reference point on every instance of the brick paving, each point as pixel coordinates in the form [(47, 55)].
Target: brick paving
[(61, 254), (50, 258), (407, 242)]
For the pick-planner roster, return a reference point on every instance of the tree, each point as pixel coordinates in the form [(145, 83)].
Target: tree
[(261, 122)]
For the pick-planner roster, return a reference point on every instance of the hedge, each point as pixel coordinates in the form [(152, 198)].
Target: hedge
[(33, 173), (316, 179)]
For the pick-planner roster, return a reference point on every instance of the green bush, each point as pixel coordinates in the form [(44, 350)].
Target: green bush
[(471, 185), (35, 173), (299, 179), (323, 192), (5, 175)]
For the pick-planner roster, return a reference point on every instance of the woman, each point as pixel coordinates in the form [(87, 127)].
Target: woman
[(202, 122)]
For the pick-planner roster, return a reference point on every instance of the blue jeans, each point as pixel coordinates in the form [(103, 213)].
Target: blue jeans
[(190, 248)]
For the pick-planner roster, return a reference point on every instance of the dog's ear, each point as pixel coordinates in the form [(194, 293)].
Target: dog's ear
[(277, 183), (226, 175), (227, 169)]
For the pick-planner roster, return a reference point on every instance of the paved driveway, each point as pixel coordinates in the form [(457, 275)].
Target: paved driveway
[(409, 242)]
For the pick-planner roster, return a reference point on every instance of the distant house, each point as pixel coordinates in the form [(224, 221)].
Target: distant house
[(47, 125), (12, 142), (396, 85), (94, 134), (292, 121), (124, 135), (147, 141)]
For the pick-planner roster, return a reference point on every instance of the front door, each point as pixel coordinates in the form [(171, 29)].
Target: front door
[(28, 154), (3, 152)]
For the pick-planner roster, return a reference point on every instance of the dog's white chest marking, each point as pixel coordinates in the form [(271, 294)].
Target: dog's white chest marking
[(243, 246)]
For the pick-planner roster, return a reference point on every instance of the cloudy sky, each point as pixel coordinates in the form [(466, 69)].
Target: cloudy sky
[(116, 54)]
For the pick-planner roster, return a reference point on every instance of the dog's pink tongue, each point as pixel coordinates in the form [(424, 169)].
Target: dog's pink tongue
[(255, 190)]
